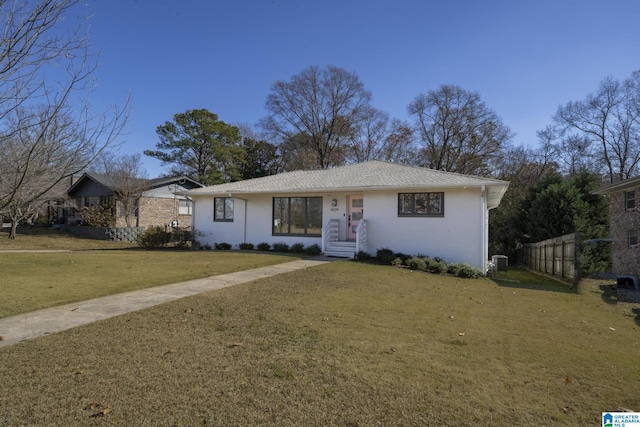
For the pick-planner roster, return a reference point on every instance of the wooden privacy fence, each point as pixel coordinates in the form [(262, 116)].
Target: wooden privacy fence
[(557, 256)]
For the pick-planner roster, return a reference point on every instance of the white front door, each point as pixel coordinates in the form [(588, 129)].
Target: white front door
[(356, 211)]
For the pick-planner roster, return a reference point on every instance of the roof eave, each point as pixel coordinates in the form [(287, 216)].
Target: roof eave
[(232, 192)]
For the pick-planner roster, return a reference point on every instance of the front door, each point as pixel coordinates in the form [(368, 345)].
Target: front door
[(355, 215)]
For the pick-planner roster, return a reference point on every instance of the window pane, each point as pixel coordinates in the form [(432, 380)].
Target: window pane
[(219, 208), (297, 215), (185, 207), (314, 215), (405, 203), (435, 203), (228, 208), (280, 215), (631, 199), (422, 203)]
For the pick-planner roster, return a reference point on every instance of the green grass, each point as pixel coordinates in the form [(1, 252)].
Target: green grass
[(342, 344), (42, 238), (32, 281)]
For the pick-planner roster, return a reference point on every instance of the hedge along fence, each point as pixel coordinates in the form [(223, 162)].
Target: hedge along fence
[(557, 256), (118, 234)]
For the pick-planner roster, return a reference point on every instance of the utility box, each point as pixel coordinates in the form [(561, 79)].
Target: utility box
[(628, 288), (500, 262)]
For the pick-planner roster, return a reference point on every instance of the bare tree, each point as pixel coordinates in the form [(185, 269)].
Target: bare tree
[(316, 112), (376, 137), (608, 122), (128, 179), (46, 135), (458, 132)]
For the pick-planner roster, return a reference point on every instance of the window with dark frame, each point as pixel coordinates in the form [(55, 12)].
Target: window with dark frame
[(421, 204), (297, 216), (632, 237), (630, 199), (184, 207), (223, 209)]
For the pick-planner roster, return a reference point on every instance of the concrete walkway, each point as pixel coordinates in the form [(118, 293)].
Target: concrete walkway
[(51, 320)]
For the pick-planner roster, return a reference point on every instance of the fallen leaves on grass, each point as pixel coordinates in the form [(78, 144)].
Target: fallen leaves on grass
[(102, 413), (103, 410)]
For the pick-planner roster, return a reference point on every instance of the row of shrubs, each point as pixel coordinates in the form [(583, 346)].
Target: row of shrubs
[(296, 248), (434, 265), (158, 237)]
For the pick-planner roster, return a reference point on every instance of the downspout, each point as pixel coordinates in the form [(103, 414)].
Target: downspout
[(485, 231), (244, 223)]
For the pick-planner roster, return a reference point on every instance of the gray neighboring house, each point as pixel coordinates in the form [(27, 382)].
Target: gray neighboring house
[(159, 205)]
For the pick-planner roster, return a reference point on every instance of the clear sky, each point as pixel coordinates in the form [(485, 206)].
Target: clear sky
[(524, 58)]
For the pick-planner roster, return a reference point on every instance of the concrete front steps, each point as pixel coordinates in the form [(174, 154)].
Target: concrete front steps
[(340, 249)]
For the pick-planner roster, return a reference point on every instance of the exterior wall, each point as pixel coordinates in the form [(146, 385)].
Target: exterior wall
[(154, 211), (459, 236), (626, 259), (456, 237)]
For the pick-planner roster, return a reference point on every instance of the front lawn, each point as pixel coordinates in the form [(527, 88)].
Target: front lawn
[(342, 344), (31, 281)]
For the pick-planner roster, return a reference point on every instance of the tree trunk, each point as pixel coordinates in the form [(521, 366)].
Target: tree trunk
[(14, 229)]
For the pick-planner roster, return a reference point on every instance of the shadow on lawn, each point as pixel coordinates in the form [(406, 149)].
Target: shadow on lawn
[(522, 278), (609, 294), (636, 311)]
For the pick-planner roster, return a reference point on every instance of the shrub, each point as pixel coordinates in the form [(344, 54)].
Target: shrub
[(97, 216), (454, 268), (223, 246), (313, 250), (280, 247), (397, 262), (264, 246), (403, 257), (246, 246), (385, 256), (362, 256), (153, 238), (180, 236), (467, 272), (436, 265), (207, 247), (417, 263), (297, 248)]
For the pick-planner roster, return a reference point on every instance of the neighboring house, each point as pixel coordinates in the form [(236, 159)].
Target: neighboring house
[(159, 205), (624, 231), (365, 206)]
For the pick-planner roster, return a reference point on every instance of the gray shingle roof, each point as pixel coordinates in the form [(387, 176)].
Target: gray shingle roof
[(373, 175)]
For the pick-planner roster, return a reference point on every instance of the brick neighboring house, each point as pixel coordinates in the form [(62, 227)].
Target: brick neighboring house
[(624, 213), (160, 204)]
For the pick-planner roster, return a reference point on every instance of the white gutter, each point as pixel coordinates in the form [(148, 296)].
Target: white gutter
[(244, 223)]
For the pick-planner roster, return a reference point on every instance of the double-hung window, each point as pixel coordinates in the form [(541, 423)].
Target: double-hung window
[(299, 216), (630, 199), (421, 204), (632, 237), (184, 207), (223, 209)]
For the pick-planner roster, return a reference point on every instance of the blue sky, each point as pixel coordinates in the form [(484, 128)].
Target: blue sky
[(524, 58)]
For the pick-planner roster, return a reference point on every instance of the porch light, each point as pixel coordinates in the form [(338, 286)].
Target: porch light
[(334, 202)]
